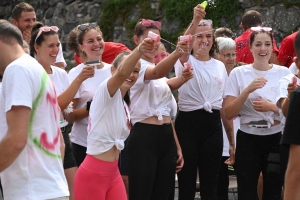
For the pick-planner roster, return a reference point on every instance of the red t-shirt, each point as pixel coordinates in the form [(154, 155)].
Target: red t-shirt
[(286, 50), (111, 50), (243, 48)]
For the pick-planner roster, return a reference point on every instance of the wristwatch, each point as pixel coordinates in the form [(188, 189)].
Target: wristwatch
[(88, 105)]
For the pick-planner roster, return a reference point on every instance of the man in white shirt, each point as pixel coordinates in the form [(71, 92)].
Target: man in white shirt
[(24, 17), (31, 144)]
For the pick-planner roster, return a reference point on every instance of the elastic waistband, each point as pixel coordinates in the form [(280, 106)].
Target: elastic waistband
[(95, 165), (261, 131)]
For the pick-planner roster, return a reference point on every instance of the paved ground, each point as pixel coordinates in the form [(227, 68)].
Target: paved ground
[(232, 196)]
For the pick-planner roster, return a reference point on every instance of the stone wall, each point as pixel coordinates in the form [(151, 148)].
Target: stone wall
[(66, 14)]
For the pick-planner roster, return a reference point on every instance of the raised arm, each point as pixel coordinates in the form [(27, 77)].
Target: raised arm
[(67, 96), (166, 65), (128, 65), (176, 82), (199, 13)]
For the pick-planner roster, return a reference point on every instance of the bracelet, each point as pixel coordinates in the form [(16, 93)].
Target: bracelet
[(139, 49)]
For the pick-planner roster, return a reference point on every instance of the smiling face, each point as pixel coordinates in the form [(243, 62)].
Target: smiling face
[(47, 51), (203, 41), (92, 45), (130, 81), (25, 21), (262, 47)]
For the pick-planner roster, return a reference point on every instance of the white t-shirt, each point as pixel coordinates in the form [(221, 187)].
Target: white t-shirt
[(236, 126), (206, 89), (293, 68), (282, 92), (60, 56), (151, 98), (240, 78), (108, 125), (37, 173), (86, 93), (60, 80)]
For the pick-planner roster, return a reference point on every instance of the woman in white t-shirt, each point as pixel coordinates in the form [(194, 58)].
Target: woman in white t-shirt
[(153, 144), (251, 91), (198, 123), (98, 177), (91, 45), (44, 47)]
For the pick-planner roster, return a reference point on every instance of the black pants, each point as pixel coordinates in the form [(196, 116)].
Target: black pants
[(151, 161), (255, 154), (69, 160), (201, 138), (79, 153), (223, 180)]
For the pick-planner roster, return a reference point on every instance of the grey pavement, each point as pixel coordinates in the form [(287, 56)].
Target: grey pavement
[(232, 194)]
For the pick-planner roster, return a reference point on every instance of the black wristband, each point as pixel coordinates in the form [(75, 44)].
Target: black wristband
[(88, 105)]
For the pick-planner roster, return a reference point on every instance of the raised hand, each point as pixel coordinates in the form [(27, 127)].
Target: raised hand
[(199, 12), (187, 73), (292, 86), (87, 72), (182, 48), (256, 84), (27, 35), (147, 46)]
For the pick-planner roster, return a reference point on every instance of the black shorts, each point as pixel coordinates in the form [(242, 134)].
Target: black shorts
[(69, 160), (123, 161)]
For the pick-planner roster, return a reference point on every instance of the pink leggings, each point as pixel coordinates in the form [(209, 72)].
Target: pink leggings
[(98, 179)]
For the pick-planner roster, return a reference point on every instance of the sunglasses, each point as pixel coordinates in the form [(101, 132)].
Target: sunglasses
[(46, 29), (205, 22), (84, 27), (258, 28), (147, 23)]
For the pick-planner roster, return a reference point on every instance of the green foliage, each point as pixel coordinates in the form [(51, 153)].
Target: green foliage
[(289, 3), (182, 10), (121, 9)]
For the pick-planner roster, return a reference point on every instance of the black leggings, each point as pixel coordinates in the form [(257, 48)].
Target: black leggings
[(201, 138), (255, 154), (151, 161), (79, 153), (223, 180)]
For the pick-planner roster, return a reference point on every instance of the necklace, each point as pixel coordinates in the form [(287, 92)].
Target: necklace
[(260, 71)]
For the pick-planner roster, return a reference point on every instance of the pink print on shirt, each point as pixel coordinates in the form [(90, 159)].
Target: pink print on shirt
[(41, 140), (49, 145), (219, 80)]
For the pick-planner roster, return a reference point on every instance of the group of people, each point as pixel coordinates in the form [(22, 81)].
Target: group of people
[(129, 137)]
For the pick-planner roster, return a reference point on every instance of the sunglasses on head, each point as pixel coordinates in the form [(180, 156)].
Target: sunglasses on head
[(148, 23), (258, 28), (205, 22), (84, 27), (46, 29)]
